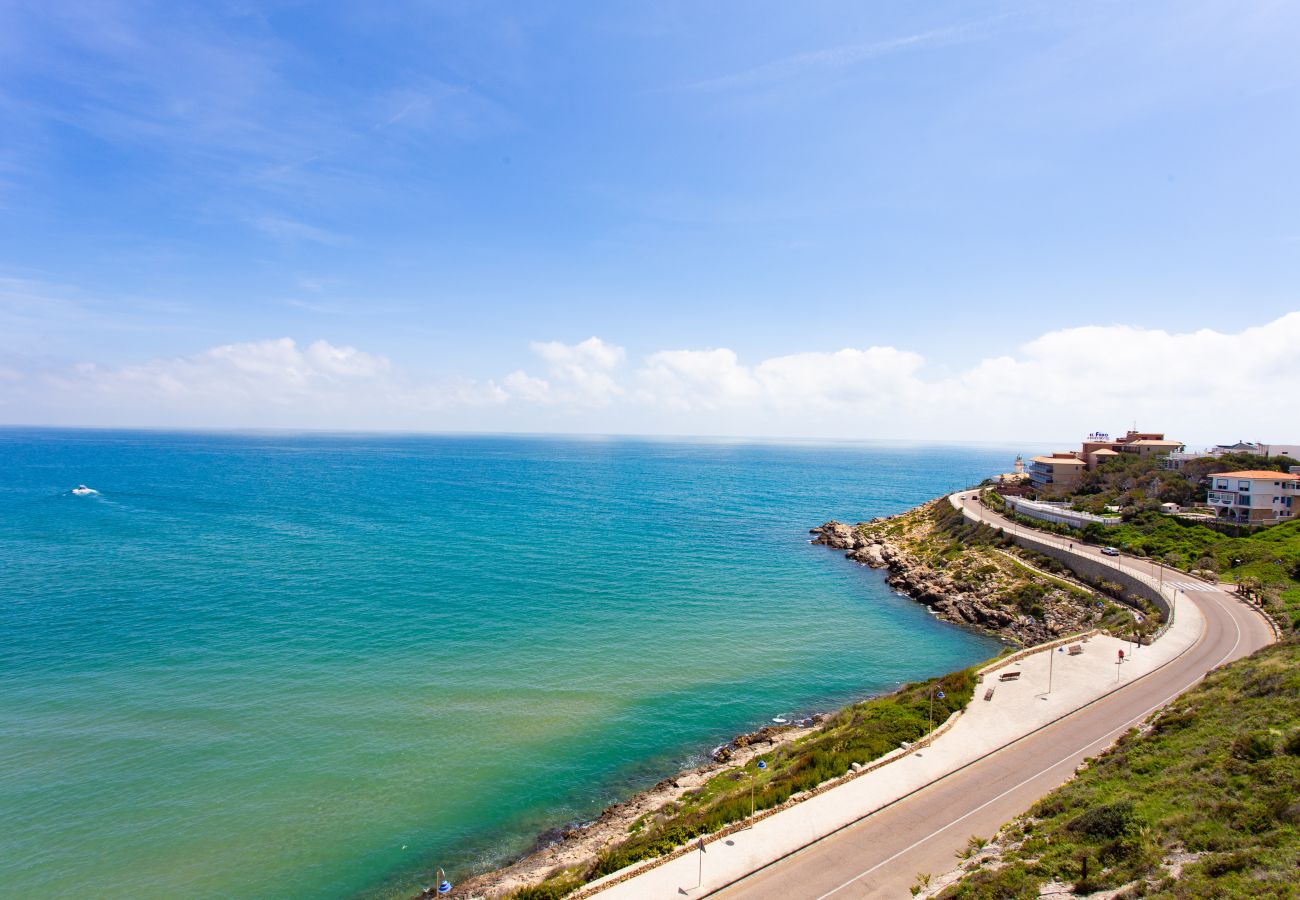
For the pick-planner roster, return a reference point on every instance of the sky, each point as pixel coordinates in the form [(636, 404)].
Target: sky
[(993, 221)]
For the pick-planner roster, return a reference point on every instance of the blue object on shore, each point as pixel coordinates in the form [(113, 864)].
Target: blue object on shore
[(939, 695), (444, 887), (762, 765)]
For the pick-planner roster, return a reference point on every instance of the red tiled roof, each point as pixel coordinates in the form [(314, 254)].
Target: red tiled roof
[(1256, 473)]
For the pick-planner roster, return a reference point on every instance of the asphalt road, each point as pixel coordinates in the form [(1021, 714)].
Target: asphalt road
[(881, 855)]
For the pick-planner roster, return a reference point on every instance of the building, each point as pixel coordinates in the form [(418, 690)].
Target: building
[(1098, 447), (1060, 513), (1057, 473), (1062, 472), (1175, 461), (1255, 496), (1254, 449)]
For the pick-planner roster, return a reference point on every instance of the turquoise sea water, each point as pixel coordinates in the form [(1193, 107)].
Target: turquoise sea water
[(322, 666)]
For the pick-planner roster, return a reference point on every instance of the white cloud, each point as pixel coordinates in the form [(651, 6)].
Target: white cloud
[(256, 383), (696, 379), (521, 385), (582, 373), (846, 377), (1197, 386)]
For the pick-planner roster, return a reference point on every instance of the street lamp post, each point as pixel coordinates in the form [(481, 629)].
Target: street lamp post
[(762, 767), (700, 878)]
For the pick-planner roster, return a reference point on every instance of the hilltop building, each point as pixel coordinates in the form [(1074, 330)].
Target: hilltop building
[(1099, 446), (1062, 472), (1176, 461)]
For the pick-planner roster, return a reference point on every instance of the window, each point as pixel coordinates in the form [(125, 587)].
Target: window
[(1243, 485)]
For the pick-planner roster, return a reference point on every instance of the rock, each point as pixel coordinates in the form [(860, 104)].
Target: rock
[(837, 536), (871, 554)]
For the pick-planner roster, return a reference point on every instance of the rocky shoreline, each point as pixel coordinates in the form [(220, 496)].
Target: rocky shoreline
[(891, 544), (580, 844), (969, 592)]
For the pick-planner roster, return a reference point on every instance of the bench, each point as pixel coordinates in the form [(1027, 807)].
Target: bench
[(988, 695), (1076, 650), (1008, 676)]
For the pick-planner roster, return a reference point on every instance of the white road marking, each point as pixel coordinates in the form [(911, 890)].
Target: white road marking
[(1129, 724)]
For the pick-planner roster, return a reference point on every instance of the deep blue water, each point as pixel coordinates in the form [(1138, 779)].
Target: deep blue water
[(321, 666)]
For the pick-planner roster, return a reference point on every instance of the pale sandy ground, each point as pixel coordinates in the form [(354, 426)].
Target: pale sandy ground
[(1017, 708)]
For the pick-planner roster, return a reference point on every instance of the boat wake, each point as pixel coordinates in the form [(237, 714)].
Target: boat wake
[(82, 491)]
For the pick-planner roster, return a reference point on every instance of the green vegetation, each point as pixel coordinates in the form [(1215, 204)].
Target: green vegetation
[(1216, 775), (553, 888), (1266, 563), (940, 538), (856, 734), (1135, 483)]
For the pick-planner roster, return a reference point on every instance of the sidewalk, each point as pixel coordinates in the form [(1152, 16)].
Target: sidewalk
[(1017, 709)]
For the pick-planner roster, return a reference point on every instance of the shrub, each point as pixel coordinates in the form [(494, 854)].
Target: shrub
[(1253, 746), (1113, 820), (554, 888), (1015, 881), (1221, 864)]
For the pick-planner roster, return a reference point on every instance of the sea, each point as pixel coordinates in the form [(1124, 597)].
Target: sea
[(327, 666)]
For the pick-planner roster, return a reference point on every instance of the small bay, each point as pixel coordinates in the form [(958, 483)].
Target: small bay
[(323, 665)]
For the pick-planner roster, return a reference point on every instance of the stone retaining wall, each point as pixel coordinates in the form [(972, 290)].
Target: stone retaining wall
[(1096, 570)]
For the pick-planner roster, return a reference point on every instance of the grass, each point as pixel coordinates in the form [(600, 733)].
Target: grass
[(1217, 774), (938, 534), (1268, 559), (856, 734)]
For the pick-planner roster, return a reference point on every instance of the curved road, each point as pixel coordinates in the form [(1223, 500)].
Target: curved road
[(881, 855)]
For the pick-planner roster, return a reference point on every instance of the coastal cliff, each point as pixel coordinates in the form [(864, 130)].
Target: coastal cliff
[(966, 573)]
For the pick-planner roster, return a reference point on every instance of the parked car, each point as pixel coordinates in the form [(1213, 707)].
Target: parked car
[(1110, 551)]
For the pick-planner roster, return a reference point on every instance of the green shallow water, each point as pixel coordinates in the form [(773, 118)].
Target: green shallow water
[(315, 666)]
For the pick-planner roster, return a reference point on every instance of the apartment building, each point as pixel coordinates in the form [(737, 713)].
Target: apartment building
[(1255, 496), (1057, 473)]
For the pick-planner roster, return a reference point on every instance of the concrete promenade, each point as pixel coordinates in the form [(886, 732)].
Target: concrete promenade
[(870, 836)]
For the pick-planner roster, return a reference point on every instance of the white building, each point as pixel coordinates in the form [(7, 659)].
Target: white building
[(1255, 496)]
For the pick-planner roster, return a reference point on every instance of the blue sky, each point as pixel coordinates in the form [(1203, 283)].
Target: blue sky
[(837, 219)]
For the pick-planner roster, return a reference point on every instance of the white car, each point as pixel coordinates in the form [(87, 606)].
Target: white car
[(1110, 551)]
